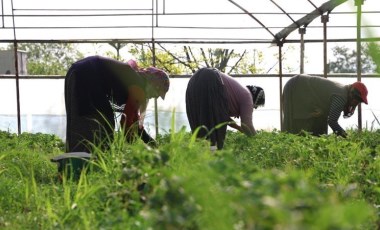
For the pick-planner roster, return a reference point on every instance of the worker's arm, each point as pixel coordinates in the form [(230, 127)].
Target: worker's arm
[(336, 108)]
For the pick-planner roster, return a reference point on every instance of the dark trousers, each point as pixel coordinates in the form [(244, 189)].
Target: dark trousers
[(88, 126), (207, 106)]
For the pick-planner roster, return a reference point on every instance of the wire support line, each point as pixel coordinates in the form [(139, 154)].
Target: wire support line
[(253, 17), (191, 13), (312, 3), (283, 11), (147, 40), (168, 14), (185, 41), (75, 15), (180, 27), (79, 9)]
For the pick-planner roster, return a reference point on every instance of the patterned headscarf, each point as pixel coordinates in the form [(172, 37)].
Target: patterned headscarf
[(153, 75), (258, 95)]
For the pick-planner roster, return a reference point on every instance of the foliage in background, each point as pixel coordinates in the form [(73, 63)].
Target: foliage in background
[(49, 58), (374, 52), (144, 55), (286, 55), (270, 181), (346, 59), (56, 58), (187, 59), (117, 46)]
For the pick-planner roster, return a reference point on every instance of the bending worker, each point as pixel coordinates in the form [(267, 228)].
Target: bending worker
[(312, 103), (94, 86), (213, 97)]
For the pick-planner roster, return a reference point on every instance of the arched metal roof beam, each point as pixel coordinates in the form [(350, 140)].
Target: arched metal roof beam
[(249, 14), (312, 3), (325, 7), (286, 13)]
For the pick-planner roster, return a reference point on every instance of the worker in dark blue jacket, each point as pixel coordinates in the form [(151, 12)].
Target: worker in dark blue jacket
[(94, 86)]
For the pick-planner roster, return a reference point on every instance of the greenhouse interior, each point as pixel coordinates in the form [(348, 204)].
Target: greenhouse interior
[(280, 39), (190, 114)]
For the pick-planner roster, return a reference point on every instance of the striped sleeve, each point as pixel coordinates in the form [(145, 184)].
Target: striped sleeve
[(336, 108)]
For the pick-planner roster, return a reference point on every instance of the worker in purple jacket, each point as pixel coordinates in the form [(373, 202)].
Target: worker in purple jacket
[(213, 97), (94, 86)]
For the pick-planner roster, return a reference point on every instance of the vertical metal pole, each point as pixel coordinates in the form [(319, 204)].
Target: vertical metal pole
[(2, 13), (280, 83), (302, 31), (16, 73), (359, 4), (325, 19), (156, 12), (154, 64), (155, 99)]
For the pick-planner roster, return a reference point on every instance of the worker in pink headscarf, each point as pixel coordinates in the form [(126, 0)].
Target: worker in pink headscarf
[(132, 120), (94, 86)]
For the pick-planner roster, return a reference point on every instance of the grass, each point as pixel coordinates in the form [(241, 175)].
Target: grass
[(273, 180)]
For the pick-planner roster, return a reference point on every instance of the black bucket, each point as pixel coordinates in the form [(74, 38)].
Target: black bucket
[(71, 165)]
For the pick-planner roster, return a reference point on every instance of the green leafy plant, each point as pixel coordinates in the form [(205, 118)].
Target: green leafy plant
[(271, 180)]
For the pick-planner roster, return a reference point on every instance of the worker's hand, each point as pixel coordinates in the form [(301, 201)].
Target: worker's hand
[(341, 133), (146, 137)]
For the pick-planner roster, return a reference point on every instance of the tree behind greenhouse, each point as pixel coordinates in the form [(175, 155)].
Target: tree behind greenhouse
[(345, 59), (49, 58), (187, 59)]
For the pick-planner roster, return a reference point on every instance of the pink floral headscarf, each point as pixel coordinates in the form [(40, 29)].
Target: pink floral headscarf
[(160, 78)]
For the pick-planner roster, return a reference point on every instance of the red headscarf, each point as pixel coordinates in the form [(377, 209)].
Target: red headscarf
[(361, 91)]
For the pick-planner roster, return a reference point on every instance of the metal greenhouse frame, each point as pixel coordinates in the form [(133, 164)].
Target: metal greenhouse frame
[(269, 22)]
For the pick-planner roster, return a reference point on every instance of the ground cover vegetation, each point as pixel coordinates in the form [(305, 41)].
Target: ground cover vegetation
[(273, 180)]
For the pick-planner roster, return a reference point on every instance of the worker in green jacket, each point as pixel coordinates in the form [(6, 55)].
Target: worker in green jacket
[(312, 103)]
